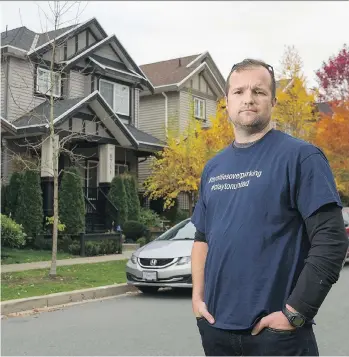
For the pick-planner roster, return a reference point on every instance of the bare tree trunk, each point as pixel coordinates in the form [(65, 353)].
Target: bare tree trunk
[(55, 153)]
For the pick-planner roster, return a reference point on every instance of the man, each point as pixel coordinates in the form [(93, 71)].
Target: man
[(270, 238)]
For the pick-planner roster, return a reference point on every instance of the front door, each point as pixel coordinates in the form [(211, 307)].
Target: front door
[(92, 180)]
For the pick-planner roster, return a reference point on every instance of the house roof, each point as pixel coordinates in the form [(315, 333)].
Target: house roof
[(7, 126), (168, 72), (20, 37), (324, 108), (63, 109), (40, 115)]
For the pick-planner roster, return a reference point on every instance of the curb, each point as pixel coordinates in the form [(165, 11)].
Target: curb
[(39, 302)]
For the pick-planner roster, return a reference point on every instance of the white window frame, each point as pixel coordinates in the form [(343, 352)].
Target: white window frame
[(115, 84), (117, 165), (197, 114), (48, 84)]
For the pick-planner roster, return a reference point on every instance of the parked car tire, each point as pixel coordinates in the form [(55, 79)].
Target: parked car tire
[(148, 289)]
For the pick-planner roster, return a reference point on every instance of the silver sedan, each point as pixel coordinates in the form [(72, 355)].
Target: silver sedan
[(164, 262)]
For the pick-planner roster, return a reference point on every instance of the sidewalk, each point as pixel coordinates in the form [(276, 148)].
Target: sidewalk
[(7, 268)]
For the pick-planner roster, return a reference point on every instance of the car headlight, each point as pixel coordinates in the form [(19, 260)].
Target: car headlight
[(133, 259), (184, 260)]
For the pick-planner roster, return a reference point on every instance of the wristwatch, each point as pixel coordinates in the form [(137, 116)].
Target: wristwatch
[(295, 318)]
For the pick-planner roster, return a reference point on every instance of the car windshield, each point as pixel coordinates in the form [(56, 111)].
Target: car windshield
[(184, 230)]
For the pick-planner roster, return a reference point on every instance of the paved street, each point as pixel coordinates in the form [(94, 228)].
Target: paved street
[(142, 325)]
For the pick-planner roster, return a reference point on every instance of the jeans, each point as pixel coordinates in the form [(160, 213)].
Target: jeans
[(269, 342)]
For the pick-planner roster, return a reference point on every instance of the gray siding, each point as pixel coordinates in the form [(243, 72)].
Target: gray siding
[(173, 110), (81, 40), (87, 84), (76, 85), (107, 52), (184, 109), (59, 54), (144, 171), (70, 46), (211, 107), (21, 89), (152, 115), (3, 87), (136, 107)]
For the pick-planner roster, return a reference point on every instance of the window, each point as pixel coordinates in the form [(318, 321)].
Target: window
[(120, 169), (199, 108), (43, 82), (116, 95)]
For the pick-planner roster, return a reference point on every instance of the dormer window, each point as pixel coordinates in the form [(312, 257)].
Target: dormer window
[(43, 82), (116, 95)]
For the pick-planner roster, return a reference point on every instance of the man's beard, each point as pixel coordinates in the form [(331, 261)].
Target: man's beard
[(256, 126)]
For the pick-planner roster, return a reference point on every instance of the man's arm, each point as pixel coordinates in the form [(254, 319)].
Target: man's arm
[(198, 261), (329, 244)]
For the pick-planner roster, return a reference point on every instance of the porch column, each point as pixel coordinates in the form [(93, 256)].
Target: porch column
[(106, 173), (106, 167), (48, 148)]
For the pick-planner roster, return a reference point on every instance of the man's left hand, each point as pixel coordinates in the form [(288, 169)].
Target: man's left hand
[(276, 320)]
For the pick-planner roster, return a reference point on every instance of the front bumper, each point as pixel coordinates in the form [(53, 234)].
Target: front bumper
[(173, 275)]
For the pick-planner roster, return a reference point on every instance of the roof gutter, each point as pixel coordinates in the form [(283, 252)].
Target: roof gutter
[(166, 113)]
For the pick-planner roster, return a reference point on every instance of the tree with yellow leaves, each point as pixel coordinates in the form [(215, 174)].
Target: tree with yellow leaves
[(179, 166), (294, 110), (332, 136)]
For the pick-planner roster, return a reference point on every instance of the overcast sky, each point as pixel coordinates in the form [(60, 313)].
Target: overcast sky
[(230, 31)]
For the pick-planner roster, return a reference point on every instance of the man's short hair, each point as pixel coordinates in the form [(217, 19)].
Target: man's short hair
[(250, 63)]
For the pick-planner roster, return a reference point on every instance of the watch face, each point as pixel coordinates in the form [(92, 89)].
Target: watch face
[(298, 321)]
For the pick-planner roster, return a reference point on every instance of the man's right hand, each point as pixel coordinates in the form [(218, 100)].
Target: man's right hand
[(200, 310)]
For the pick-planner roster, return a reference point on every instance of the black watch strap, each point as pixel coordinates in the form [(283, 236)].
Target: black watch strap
[(295, 318)]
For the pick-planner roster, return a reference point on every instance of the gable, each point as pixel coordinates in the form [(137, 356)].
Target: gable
[(199, 84), (107, 52)]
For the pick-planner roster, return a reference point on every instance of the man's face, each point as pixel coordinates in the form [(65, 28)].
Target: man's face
[(249, 100)]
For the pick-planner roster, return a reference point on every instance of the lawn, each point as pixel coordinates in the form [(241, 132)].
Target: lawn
[(16, 256), (36, 282)]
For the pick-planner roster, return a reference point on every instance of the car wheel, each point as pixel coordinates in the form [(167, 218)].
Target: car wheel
[(148, 289)]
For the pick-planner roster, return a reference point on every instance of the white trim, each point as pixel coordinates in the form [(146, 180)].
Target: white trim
[(16, 48), (87, 50), (146, 143), (7, 122), (88, 170), (34, 43), (197, 69), (114, 84), (50, 86), (167, 85), (62, 35), (204, 107), (215, 78), (73, 108), (197, 59), (114, 69)]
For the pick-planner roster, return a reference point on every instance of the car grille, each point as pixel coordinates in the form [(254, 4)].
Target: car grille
[(150, 262)]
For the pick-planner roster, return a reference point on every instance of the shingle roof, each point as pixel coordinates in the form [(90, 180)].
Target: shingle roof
[(20, 37), (48, 36), (41, 114), (23, 38), (324, 108), (168, 72), (143, 136)]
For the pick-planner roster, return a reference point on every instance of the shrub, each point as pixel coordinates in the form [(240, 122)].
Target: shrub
[(141, 241), (71, 202), (12, 234), (12, 193), (133, 203), (74, 248), (4, 199), (181, 215), (29, 212), (149, 218), (117, 196), (134, 230)]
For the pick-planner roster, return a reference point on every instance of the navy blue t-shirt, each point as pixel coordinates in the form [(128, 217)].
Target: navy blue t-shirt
[(252, 206)]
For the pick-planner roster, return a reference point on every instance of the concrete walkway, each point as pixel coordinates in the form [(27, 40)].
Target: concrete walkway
[(7, 268)]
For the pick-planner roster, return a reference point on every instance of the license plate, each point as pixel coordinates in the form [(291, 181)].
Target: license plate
[(150, 275)]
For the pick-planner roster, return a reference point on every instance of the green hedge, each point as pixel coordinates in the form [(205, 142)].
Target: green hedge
[(134, 230), (71, 202), (117, 196), (29, 212), (12, 234)]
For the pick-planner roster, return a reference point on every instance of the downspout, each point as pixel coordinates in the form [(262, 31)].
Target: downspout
[(6, 89), (166, 114)]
